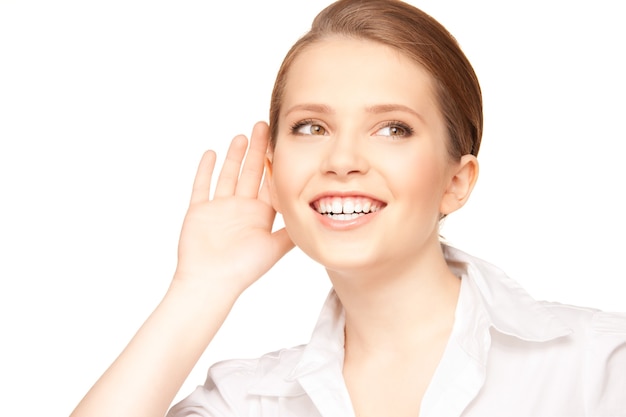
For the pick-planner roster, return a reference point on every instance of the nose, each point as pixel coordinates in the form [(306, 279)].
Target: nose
[(346, 155)]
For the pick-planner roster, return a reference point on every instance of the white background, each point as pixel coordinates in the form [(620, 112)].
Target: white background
[(106, 107)]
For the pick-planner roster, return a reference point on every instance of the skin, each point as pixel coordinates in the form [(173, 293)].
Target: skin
[(232, 228), (347, 98), (393, 254)]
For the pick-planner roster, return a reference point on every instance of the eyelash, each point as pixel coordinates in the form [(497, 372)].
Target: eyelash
[(297, 125), (408, 130)]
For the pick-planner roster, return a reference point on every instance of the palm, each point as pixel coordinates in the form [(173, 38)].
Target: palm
[(230, 236)]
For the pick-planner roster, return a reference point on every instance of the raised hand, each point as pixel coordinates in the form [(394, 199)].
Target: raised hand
[(228, 238), (225, 245)]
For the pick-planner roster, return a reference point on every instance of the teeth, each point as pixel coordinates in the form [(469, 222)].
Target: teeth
[(344, 216), (346, 208)]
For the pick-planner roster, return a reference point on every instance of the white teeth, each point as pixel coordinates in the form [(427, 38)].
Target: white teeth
[(337, 208), (344, 216), (345, 208), (348, 207)]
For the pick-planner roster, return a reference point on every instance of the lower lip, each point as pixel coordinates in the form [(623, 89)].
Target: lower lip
[(335, 224)]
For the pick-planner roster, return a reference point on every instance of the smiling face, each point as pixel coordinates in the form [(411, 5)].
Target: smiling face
[(360, 170)]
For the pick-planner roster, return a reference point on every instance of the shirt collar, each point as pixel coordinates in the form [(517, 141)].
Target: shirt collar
[(488, 299), (322, 358), (327, 341), (502, 302)]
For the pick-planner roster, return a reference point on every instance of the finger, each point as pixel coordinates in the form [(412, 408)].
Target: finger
[(202, 183), (227, 181), (252, 171)]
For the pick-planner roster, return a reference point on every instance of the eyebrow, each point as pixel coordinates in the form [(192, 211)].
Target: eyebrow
[(316, 108), (387, 108), (375, 109)]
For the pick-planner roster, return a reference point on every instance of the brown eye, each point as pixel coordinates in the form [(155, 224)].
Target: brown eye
[(317, 130), (309, 128), (395, 130)]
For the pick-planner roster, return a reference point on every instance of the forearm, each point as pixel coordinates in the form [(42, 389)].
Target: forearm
[(226, 244), (146, 376)]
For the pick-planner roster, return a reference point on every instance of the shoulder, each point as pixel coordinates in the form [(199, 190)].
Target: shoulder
[(232, 386), (270, 368), (589, 322), (590, 329), (600, 338)]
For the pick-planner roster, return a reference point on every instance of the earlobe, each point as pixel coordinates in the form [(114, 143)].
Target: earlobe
[(461, 185)]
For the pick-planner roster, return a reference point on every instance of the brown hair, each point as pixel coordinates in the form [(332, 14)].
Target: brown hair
[(416, 35)]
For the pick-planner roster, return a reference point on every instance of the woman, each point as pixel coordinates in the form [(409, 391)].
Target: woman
[(375, 124)]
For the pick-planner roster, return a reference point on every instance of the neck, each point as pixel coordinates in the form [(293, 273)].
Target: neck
[(398, 307)]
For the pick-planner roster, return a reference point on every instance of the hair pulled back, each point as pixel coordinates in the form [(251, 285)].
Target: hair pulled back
[(419, 37)]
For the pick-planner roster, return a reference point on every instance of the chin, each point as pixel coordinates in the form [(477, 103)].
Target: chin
[(346, 260)]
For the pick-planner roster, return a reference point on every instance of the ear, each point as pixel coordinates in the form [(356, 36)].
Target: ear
[(269, 179), (461, 184)]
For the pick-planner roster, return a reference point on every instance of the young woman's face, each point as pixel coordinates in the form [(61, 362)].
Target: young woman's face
[(360, 165)]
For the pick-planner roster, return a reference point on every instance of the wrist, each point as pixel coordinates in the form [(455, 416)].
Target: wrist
[(201, 294)]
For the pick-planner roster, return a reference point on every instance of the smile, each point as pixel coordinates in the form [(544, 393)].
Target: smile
[(346, 208)]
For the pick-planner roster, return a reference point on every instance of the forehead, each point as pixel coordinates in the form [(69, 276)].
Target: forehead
[(349, 72)]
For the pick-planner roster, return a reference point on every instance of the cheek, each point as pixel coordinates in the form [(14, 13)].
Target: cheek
[(288, 182), (419, 181), (287, 178)]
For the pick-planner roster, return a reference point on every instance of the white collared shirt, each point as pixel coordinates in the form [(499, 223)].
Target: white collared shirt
[(508, 355)]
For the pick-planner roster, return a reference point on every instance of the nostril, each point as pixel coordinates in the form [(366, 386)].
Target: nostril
[(345, 160)]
